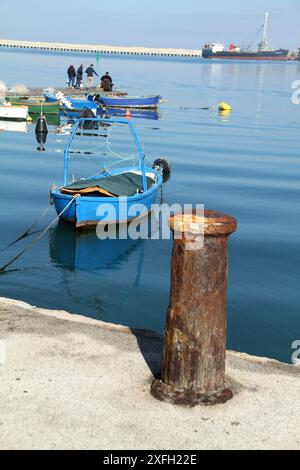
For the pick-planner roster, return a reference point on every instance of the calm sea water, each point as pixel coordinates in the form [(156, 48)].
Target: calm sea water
[(246, 164)]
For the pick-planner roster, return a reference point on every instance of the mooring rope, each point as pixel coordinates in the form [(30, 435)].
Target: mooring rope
[(37, 239), (184, 108), (27, 232)]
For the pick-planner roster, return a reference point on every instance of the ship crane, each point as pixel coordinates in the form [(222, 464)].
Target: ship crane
[(255, 37), (263, 45)]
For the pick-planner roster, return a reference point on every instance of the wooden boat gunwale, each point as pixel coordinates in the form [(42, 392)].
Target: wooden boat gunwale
[(44, 107)]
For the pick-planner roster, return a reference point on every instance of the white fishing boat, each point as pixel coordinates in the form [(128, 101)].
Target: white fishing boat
[(13, 113)]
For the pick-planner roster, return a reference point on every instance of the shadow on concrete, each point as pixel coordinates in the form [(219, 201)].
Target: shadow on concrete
[(151, 347)]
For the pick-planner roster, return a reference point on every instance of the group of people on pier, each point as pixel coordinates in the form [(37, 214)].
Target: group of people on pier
[(75, 78)]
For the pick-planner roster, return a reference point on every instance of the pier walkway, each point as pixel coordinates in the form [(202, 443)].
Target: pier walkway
[(70, 382), (99, 49)]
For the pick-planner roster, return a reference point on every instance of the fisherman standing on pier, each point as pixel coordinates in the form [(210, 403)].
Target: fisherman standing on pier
[(71, 75), (90, 71), (79, 76)]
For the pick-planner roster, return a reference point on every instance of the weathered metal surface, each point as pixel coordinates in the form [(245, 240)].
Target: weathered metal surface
[(195, 335)]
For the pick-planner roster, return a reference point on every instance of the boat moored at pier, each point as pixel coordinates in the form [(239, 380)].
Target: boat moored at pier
[(115, 191), (68, 103), (35, 106), (138, 102)]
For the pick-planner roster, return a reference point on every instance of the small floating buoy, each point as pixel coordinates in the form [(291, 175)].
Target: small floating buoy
[(41, 125), (128, 114), (224, 106), (41, 131)]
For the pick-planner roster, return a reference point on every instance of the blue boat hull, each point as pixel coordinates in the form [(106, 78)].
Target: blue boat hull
[(77, 104), (142, 102), (50, 98), (86, 211)]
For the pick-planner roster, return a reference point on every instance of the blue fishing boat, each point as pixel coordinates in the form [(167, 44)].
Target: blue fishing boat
[(118, 192), (141, 102), (68, 103)]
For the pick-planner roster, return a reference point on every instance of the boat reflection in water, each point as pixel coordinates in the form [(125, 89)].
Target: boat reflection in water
[(13, 126), (52, 119), (83, 250), (150, 114), (101, 279), (41, 137), (134, 113)]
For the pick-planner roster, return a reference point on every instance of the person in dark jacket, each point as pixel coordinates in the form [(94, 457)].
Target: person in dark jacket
[(79, 76), (71, 75), (90, 71), (106, 82)]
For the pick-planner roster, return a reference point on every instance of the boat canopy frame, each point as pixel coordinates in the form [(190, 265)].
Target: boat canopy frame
[(105, 121)]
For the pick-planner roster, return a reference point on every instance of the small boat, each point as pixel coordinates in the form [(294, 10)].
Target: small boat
[(70, 104), (112, 195), (13, 113), (141, 102), (35, 106)]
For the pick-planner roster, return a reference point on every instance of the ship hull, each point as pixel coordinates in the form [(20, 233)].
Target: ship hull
[(273, 55)]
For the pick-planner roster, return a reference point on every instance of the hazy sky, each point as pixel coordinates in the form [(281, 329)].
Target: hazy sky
[(164, 23)]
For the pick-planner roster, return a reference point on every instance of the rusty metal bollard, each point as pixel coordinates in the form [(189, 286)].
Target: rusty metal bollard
[(193, 369)]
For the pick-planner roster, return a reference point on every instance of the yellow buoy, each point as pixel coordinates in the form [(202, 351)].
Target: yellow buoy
[(224, 106)]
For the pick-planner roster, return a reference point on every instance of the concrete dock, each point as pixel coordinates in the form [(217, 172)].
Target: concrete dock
[(37, 92), (69, 382)]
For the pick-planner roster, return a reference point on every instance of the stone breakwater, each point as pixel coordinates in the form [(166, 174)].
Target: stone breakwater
[(100, 49)]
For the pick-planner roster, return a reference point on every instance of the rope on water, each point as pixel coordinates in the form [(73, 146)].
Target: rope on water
[(184, 108), (37, 239), (27, 232)]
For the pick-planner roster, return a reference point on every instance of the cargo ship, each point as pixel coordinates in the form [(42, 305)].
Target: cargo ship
[(217, 50)]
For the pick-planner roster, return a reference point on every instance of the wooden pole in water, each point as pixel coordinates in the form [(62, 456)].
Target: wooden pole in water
[(193, 370)]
